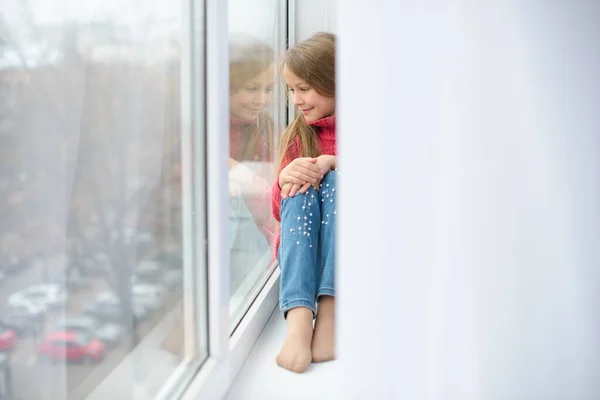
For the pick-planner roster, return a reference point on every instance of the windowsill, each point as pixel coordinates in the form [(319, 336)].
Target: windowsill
[(219, 372), (250, 288), (261, 378)]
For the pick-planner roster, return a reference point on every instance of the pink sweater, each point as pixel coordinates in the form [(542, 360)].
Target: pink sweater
[(325, 129)]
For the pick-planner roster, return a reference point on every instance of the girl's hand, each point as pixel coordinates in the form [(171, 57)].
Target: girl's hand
[(285, 190), (300, 171), (326, 163), (291, 189)]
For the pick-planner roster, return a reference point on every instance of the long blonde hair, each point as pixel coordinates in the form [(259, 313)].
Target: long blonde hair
[(313, 61), (249, 57)]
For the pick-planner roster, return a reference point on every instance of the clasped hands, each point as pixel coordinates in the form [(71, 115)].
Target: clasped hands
[(302, 173)]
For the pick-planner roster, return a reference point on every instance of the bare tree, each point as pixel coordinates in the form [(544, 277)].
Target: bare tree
[(93, 128), (120, 145)]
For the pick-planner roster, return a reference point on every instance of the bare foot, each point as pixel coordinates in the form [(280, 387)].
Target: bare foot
[(295, 353), (323, 344)]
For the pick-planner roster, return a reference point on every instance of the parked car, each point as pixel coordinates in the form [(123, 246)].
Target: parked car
[(90, 266), (158, 273), (73, 281), (158, 289), (71, 346), (25, 317), (173, 279), (108, 333), (8, 339), (145, 241), (149, 296), (169, 259), (156, 279), (45, 294), (139, 309), (107, 307), (103, 311), (148, 271)]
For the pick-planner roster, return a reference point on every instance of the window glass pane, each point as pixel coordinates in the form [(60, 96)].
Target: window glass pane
[(91, 235), (255, 121)]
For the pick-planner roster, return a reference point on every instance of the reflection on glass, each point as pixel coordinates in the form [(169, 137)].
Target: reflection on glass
[(90, 195), (251, 171)]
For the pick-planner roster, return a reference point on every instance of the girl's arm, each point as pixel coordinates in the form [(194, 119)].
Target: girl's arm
[(325, 163), (296, 171)]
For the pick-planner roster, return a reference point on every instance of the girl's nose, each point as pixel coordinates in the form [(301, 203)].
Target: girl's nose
[(297, 99), (261, 98)]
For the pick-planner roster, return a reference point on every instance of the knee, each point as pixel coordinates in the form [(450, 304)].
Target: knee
[(300, 200), (330, 179)]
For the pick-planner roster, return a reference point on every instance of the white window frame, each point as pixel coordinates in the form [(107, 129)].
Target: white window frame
[(227, 353)]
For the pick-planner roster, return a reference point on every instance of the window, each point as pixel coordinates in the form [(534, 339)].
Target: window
[(112, 130), (256, 119), (102, 191)]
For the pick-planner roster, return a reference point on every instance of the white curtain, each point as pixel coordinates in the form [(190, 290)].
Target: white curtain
[(469, 227)]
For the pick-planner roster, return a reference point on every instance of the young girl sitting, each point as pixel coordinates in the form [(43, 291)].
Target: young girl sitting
[(304, 202)]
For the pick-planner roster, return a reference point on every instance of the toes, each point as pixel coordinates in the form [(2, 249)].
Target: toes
[(296, 363), (322, 355), (300, 366)]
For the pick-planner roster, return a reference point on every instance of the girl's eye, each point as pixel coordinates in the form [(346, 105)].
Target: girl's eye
[(301, 89), (269, 90), (250, 88)]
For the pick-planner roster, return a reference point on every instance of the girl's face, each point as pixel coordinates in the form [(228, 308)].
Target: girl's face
[(313, 105), (248, 102)]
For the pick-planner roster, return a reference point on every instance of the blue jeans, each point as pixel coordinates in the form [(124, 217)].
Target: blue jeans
[(307, 248)]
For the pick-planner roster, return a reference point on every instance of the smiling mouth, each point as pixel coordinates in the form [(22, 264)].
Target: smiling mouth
[(305, 111)]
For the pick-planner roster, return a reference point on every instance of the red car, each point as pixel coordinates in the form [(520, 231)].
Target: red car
[(8, 339), (71, 346)]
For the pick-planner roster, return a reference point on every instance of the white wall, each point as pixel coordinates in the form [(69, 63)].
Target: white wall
[(469, 229)]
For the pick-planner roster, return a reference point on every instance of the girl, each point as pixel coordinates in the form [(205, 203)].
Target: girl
[(251, 83), (304, 202)]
